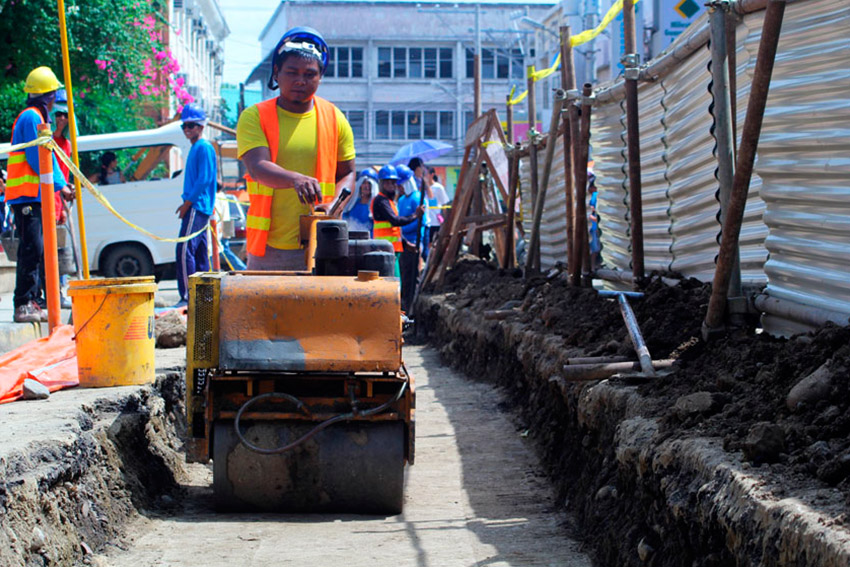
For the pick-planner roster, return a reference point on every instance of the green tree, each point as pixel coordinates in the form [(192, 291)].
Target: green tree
[(113, 47)]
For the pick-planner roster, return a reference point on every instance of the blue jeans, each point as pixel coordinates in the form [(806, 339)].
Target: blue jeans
[(192, 255)]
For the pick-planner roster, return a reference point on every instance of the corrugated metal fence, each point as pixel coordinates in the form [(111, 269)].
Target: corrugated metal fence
[(796, 232)]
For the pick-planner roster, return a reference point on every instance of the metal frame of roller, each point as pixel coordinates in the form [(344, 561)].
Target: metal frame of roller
[(308, 361)]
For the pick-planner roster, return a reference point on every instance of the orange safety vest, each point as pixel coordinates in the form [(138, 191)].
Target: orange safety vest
[(259, 218), (22, 180), (384, 230)]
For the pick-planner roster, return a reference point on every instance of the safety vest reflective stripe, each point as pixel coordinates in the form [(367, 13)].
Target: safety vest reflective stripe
[(22, 180), (328, 191), (384, 230), (327, 142)]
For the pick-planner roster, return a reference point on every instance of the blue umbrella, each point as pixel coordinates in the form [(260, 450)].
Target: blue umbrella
[(423, 149)]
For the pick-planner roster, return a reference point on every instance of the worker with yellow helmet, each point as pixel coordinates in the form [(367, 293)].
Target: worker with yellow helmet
[(23, 192)]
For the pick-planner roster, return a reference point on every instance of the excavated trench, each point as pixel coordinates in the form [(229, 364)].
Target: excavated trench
[(117, 456), (704, 467)]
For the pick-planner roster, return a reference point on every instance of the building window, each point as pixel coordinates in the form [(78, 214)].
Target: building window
[(385, 62), (447, 125), (382, 125), (496, 64), (413, 124), (416, 62), (397, 127), (429, 124), (431, 63), (488, 63), (399, 62), (357, 120), (345, 62), (468, 118), (517, 64), (447, 61)]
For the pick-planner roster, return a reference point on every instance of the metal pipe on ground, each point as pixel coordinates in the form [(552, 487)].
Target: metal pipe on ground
[(613, 276), (805, 314), (533, 258), (723, 133), (568, 83), (589, 372), (598, 360), (632, 73), (635, 335), (744, 166), (580, 236)]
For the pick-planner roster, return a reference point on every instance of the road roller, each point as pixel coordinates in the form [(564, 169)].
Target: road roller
[(296, 388)]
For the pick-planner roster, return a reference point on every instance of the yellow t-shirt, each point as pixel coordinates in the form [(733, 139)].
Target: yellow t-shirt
[(297, 152)]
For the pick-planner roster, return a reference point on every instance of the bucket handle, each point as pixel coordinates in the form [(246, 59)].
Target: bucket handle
[(96, 311)]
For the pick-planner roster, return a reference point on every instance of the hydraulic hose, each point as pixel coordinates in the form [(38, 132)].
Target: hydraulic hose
[(301, 406)]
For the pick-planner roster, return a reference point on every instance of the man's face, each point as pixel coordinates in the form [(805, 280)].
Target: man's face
[(61, 120), (388, 187), (298, 79), (192, 130)]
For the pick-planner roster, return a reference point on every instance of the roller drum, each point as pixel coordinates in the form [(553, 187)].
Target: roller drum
[(354, 467)]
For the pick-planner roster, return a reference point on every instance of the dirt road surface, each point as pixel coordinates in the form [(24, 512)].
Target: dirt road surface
[(476, 496)]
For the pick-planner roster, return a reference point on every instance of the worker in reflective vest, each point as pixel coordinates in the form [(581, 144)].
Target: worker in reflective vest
[(387, 222), (298, 149), (23, 193)]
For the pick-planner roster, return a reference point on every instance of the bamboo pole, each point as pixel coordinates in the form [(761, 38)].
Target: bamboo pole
[(568, 83), (583, 147)]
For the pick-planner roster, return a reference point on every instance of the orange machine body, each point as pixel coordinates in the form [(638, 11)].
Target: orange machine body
[(299, 323)]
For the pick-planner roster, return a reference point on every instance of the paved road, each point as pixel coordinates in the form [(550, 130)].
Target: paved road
[(474, 497)]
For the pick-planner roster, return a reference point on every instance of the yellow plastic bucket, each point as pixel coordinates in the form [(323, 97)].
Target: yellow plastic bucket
[(113, 324)]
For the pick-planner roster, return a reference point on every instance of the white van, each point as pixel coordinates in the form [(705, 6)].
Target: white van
[(153, 168)]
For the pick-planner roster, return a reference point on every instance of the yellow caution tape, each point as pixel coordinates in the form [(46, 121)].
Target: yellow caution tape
[(105, 202), (575, 41), (51, 145), (220, 248)]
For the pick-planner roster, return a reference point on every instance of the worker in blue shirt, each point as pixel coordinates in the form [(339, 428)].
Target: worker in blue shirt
[(23, 192), (199, 188), (408, 201), (408, 261)]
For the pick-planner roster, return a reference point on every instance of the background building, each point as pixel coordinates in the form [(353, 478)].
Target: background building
[(658, 23), (402, 70), (198, 29)]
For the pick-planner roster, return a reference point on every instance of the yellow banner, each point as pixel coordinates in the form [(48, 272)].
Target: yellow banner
[(575, 41)]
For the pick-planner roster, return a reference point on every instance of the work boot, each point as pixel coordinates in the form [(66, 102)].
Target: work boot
[(41, 312), (27, 314)]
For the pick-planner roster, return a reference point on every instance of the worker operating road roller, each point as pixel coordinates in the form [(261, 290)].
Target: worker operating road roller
[(298, 149)]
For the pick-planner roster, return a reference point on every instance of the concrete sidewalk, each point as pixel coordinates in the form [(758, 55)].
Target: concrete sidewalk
[(13, 335)]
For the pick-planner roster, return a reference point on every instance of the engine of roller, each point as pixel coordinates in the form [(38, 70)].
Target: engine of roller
[(296, 387)]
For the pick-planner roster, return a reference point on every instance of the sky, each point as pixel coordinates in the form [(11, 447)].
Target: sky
[(246, 19)]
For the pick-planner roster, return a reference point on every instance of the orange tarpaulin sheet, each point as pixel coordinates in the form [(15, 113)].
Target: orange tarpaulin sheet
[(50, 360)]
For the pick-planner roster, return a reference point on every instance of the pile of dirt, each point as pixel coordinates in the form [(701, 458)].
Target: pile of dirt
[(778, 404)]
